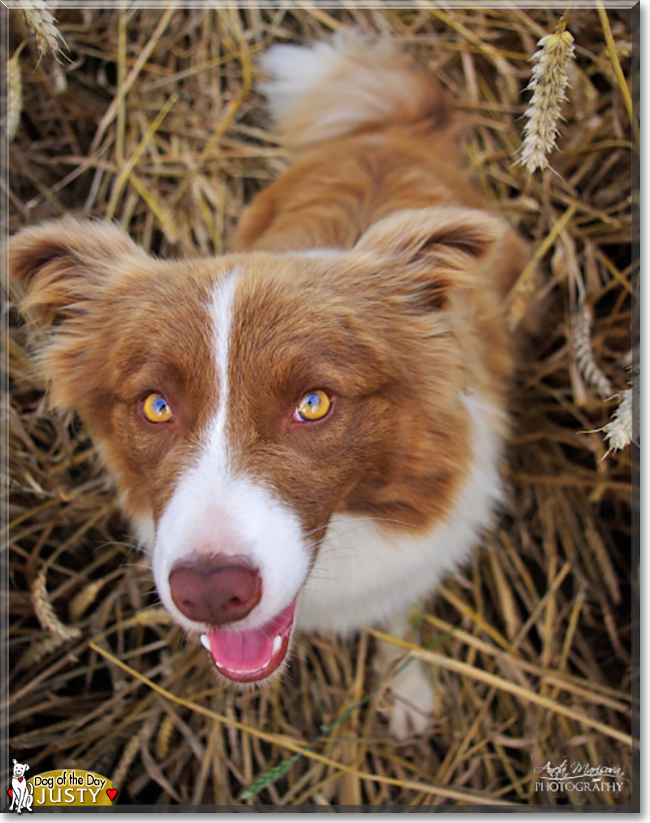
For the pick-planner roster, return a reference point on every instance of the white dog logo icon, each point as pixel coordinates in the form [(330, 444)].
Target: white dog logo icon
[(22, 793)]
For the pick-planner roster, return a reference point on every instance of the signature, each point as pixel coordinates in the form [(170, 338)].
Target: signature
[(569, 771)]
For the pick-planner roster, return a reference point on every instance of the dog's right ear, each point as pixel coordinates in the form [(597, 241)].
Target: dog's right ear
[(426, 253), (64, 264)]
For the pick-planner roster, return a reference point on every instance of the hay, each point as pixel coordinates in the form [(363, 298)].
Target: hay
[(150, 119)]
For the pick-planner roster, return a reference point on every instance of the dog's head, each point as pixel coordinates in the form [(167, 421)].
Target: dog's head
[(240, 402), (20, 769)]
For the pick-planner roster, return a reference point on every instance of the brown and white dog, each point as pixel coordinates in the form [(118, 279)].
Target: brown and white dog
[(306, 432)]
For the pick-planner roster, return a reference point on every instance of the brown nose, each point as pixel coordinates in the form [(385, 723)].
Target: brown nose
[(215, 589)]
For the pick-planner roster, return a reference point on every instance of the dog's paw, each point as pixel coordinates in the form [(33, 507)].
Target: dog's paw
[(414, 702)]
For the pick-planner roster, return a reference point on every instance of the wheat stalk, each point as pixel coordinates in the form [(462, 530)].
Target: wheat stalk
[(591, 372), (549, 82), (43, 27)]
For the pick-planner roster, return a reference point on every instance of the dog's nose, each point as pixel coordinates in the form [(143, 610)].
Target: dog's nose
[(215, 589)]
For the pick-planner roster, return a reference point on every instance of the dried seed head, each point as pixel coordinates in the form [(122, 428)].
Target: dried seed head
[(37, 651), (14, 96), (45, 611), (153, 617), (163, 738), (590, 371), (128, 756), (42, 26), (548, 83), (85, 598), (619, 430)]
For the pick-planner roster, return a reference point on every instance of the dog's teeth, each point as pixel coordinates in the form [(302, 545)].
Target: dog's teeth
[(276, 645), (205, 641)]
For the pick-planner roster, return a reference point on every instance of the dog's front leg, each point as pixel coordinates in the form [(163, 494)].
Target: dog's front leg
[(410, 682)]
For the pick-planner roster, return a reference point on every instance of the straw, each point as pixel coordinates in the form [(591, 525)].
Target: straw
[(160, 127)]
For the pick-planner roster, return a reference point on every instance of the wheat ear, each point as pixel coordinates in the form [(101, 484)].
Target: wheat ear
[(85, 598), (591, 372), (14, 96), (155, 616), (43, 26), (619, 429), (37, 651), (45, 611), (163, 738), (549, 81), (128, 756)]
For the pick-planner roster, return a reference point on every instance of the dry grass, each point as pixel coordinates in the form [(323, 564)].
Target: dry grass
[(153, 122)]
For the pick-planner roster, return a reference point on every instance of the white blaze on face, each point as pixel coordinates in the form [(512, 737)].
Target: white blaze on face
[(215, 511)]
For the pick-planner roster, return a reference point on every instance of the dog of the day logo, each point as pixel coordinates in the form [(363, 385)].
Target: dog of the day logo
[(62, 788)]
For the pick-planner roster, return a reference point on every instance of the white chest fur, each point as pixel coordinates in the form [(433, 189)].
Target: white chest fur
[(365, 575)]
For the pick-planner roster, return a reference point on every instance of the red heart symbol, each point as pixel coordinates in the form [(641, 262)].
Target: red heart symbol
[(10, 792), (111, 793), (20, 779)]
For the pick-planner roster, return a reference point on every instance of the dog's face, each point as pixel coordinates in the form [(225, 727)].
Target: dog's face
[(240, 402), (20, 769)]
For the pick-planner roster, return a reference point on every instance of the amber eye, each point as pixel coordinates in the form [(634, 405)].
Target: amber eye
[(156, 409), (313, 406)]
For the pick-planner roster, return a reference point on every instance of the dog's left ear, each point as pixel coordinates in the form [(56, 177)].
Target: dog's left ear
[(64, 264), (426, 252)]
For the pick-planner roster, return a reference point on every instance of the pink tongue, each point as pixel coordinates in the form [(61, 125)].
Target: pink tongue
[(250, 650), (241, 651)]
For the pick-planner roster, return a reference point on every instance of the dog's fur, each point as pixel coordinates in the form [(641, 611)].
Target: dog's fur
[(371, 270)]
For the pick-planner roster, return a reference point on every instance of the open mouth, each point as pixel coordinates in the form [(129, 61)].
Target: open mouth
[(254, 654)]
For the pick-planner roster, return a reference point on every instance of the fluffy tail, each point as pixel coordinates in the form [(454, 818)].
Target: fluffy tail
[(331, 90)]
